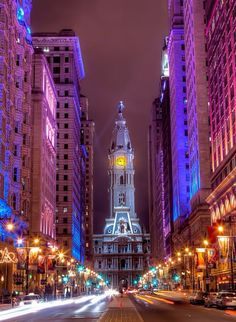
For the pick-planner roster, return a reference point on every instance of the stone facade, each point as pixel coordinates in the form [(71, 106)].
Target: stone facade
[(44, 102), (65, 61)]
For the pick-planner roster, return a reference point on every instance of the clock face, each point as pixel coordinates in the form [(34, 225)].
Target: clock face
[(121, 161)]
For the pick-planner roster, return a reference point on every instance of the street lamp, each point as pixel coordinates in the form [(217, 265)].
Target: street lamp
[(206, 243)]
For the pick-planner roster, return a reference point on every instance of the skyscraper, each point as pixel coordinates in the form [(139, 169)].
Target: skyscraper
[(65, 60), (221, 48), (178, 116), (44, 102), (197, 119), (121, 252), (160, 169), (87, 135), (15, 122)]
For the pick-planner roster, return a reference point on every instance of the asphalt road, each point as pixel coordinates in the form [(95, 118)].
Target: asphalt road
[(155, 309), (87, 311)]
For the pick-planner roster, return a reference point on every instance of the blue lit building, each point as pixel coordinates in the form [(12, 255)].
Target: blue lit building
[(178, 110), (15, 124)]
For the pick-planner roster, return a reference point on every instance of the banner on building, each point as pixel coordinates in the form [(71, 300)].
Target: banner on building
[(211, 257), (41, 264), (22, 258), (223, 249), (33, 258), (200, 258)]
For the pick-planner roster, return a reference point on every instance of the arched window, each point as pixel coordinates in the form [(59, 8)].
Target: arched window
[(121, 180)]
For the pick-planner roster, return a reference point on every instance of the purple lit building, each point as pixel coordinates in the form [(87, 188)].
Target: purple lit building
[(178, 117), (198, 119), (65, 61), (15, 120), (221, 46)]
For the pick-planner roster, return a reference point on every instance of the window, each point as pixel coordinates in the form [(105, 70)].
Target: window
[(56, 59), (65, 146), (56, 48), (65, 188), (66, 115), (66, 126), (66, 93), (58, 105), (65, 177), (56, 70), (66, 136), (65, 198), (64, 230), (65, 210), (57, 187), (67, 70), (65, 156), (66, 105), (65, 166), (15, 173), (58, 115), (66, 48), (66, 59), (65, 220)]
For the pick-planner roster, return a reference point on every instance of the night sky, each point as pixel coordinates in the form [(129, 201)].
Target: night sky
[(121, 43)]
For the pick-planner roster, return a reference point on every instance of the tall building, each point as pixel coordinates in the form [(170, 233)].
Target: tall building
[(15, 120), (65, 61), (87, 137), (221, 48), (160, 169), (179, 125), (44, 102), (121, 252), (156, 183), (198, 118)]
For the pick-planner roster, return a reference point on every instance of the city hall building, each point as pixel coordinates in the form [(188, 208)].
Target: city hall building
[(121, 253)]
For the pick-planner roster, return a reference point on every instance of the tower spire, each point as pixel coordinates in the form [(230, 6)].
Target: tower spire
[(120, 107)]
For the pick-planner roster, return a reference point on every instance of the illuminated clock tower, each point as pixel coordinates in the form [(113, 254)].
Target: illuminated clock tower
[(121, 253), (121, 169)]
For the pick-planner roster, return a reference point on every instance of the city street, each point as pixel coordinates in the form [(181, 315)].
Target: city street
[(86, 309), (154, 308)]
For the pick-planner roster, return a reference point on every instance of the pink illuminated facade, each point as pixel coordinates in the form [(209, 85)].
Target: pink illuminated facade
[(222, 90), (44, 103)]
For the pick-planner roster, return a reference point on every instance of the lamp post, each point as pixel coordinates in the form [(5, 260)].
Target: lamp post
[(205, 242)]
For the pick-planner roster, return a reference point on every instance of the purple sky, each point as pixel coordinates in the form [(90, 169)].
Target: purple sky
[(121, 43)]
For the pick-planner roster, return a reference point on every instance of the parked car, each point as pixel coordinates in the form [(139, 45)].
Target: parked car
[(30, 299), (226, 299), (198, 297), (210, 299)]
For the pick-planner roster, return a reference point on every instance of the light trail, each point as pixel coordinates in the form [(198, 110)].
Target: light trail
[(29, 309), (160, 299), (144, 299)]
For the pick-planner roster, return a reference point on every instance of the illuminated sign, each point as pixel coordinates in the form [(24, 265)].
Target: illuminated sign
[(7, 257)]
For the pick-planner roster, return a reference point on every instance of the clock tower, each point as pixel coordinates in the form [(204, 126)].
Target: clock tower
[(121, 253), (121, 170)]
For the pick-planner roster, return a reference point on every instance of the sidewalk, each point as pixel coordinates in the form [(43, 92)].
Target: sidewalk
[(121, 309), (5, 307)]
